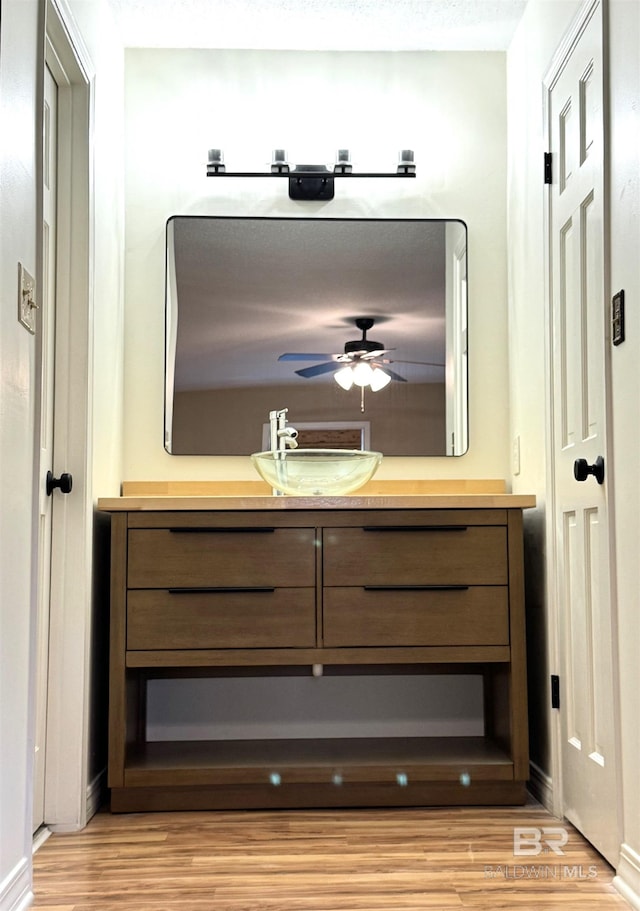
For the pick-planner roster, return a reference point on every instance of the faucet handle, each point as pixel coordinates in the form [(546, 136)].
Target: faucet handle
[(289, 436), (281, 437)]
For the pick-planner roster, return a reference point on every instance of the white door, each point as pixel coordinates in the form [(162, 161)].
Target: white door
[(579, 355), (46, 329)]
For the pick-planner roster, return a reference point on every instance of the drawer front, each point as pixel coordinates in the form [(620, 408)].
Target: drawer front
[(466, 555), (251, 619), (361, 617), (165, 558)]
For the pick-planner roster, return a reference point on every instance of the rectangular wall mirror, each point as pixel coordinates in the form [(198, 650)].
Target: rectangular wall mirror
[(262, 313)]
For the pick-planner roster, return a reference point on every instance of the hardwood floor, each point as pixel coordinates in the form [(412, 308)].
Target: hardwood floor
[(319, 860)]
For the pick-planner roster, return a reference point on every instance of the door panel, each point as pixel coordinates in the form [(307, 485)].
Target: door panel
[(579, 382)]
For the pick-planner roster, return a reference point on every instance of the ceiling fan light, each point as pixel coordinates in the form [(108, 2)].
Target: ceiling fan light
[(344, 378), (362, 374), (379, 379)]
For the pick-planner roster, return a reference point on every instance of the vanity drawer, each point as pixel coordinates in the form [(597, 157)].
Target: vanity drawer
[(279, 618), (466, 616), (197, 557), (416, 555)]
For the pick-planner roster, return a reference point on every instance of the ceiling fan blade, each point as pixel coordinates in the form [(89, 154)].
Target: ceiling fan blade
[(420, 363), (371, 355), (304, 356), (318, 369), (394, 376)]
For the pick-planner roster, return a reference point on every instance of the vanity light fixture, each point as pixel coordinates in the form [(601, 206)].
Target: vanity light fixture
[(215, 162), (312, 182), (406, 162)]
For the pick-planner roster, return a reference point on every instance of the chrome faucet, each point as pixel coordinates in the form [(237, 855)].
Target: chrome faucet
[(282, 436)]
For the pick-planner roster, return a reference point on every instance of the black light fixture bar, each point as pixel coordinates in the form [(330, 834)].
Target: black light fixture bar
[(311, 182), (306, 172)]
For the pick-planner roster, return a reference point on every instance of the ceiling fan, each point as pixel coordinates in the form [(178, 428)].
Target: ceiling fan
[(362, 351)]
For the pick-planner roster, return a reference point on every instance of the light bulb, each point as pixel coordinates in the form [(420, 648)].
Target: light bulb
[(344, 378), (379, 379), (362, 374)]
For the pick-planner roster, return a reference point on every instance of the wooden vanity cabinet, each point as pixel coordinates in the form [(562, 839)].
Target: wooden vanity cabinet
[(269, 591)]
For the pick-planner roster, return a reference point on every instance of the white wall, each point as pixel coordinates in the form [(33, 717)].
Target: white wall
[(531, 51), (18, 65), (95, 24), (448, 107)]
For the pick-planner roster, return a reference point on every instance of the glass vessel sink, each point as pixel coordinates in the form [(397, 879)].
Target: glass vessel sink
[(317, 472)]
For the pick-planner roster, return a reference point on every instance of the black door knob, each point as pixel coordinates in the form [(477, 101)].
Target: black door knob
[(582, 470), (64, 482)]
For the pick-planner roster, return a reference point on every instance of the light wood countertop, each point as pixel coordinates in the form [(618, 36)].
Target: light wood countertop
[(184, 504), (435, 493)]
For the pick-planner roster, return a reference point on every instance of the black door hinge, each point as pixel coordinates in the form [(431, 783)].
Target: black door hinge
[(555, 691), (547, 168)]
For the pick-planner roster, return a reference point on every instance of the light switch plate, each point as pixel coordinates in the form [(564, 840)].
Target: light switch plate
[(27, 299)]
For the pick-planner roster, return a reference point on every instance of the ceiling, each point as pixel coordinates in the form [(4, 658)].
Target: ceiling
[(304, 281), (360, 25)]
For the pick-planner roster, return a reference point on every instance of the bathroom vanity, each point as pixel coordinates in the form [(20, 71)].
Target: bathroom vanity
[(238, 586)]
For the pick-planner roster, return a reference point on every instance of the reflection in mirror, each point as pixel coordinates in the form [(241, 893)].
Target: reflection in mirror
[(270, 313)]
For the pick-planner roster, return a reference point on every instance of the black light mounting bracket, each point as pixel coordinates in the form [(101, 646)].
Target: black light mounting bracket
[(308, 182), (311, 182)]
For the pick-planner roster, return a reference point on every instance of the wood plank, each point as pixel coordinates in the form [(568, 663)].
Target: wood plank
[(117, 683), (161, 558), (442, 555), (436, 859), (306, 670), (258, 488), (478, 615), (317, 795), (403, 486), (519, 734), (355, 760), (272, 657), (354, 501), (314, 518), (281, 618)]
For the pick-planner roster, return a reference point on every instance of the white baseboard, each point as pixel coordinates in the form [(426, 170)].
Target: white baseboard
[(15, 888), (627, 878), (43, 833), (96, 791), (541, 786)]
